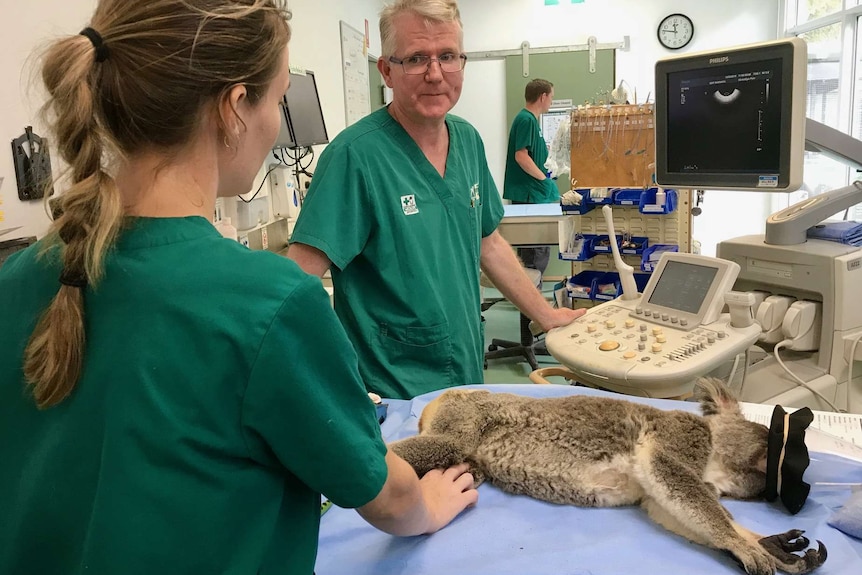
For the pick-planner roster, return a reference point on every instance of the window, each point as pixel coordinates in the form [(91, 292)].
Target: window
[(807, 10), (832, 30)]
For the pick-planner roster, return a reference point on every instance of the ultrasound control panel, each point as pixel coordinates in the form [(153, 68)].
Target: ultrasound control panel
[(658, 344)]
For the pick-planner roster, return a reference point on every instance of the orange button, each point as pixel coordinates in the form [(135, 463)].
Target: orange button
[(609, 345), (629, 355)]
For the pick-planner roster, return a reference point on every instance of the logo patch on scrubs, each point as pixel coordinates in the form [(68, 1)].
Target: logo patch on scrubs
[(474, 195), (408, 204)]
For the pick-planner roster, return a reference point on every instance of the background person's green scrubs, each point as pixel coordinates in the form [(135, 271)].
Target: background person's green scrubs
[(519, 186)]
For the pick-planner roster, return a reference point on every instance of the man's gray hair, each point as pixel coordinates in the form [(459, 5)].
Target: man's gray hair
[(432, 11)]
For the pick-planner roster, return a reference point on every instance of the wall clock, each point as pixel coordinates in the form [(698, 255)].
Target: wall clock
[(675, 31)]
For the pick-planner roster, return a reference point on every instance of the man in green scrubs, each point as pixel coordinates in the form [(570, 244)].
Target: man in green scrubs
[(526, 180), (403, 210)]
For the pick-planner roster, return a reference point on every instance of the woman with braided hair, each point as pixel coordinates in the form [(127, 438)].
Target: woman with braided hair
[(171, 402)]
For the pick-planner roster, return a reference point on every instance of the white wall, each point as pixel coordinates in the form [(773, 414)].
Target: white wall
[(316, 45), (504, 24), (24, 27)]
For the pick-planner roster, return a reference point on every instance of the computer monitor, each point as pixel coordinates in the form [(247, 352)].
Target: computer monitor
[(732, 118), (285, 134), (303, 124)]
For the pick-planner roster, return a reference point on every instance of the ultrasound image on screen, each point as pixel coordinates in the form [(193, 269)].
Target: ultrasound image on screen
[(725, 119), (683, 286)]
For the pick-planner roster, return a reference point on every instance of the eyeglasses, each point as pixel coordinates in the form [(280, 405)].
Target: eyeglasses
[(419, 64)]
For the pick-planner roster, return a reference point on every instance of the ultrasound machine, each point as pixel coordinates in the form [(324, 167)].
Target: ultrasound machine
[(734, 119)]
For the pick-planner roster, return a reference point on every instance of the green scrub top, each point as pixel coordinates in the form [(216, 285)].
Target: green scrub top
[(519, 186), (219, 398), (405, 245)]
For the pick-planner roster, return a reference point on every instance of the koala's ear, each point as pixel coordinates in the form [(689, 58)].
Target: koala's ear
[(715, 397)]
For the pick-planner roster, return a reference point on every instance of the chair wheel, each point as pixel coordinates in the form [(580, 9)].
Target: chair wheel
[(486, 365), (492, 347)]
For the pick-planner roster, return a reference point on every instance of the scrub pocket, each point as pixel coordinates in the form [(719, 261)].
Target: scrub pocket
[(420, 357)]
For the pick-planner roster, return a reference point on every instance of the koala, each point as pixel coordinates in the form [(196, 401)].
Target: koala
[(606, 452)]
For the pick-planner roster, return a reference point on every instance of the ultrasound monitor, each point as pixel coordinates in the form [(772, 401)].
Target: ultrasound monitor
[(732, 118), (687, 289)]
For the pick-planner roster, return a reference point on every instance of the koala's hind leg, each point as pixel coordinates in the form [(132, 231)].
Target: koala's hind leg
[(679, 500), (429, 451)]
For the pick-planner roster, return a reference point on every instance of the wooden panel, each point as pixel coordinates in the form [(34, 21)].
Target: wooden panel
[(613, 146)]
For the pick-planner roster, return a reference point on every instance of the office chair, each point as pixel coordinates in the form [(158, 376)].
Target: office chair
[(527, 347)]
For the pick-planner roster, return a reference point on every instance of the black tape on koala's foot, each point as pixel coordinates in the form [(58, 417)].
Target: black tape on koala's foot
[(787, 458)]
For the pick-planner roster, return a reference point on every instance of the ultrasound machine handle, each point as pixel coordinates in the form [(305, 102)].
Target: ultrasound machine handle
[(627, 272)]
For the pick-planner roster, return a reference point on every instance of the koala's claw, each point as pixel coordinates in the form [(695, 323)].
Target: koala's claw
[(783, 546)]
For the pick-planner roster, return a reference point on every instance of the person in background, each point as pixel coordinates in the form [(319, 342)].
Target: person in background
[(174, 399), (403, 210), (526, 180)]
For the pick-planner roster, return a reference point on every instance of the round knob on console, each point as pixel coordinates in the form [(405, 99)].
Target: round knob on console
[(656, 347), (609, 345), (591, 328)]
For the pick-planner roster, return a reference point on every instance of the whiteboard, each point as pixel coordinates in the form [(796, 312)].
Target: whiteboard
[(354, 71)]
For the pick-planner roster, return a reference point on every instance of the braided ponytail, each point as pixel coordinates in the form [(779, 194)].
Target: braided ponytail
[(138, 81), (90, 214)]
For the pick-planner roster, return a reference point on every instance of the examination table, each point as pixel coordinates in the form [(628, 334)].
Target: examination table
[(513, 534)]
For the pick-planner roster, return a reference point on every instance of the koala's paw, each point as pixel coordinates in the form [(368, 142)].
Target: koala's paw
[(784, 546)]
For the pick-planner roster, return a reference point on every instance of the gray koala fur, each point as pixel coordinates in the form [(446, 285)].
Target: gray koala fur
[(604, 452)]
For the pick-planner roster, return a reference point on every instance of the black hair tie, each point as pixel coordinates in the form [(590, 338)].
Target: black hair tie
[(98, 43), (77, 280)]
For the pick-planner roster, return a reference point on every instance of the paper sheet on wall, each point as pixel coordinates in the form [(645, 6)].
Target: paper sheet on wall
[(354, 67), (840, 433)]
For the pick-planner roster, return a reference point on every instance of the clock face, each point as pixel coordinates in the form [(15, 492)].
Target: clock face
[(675, 31)]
